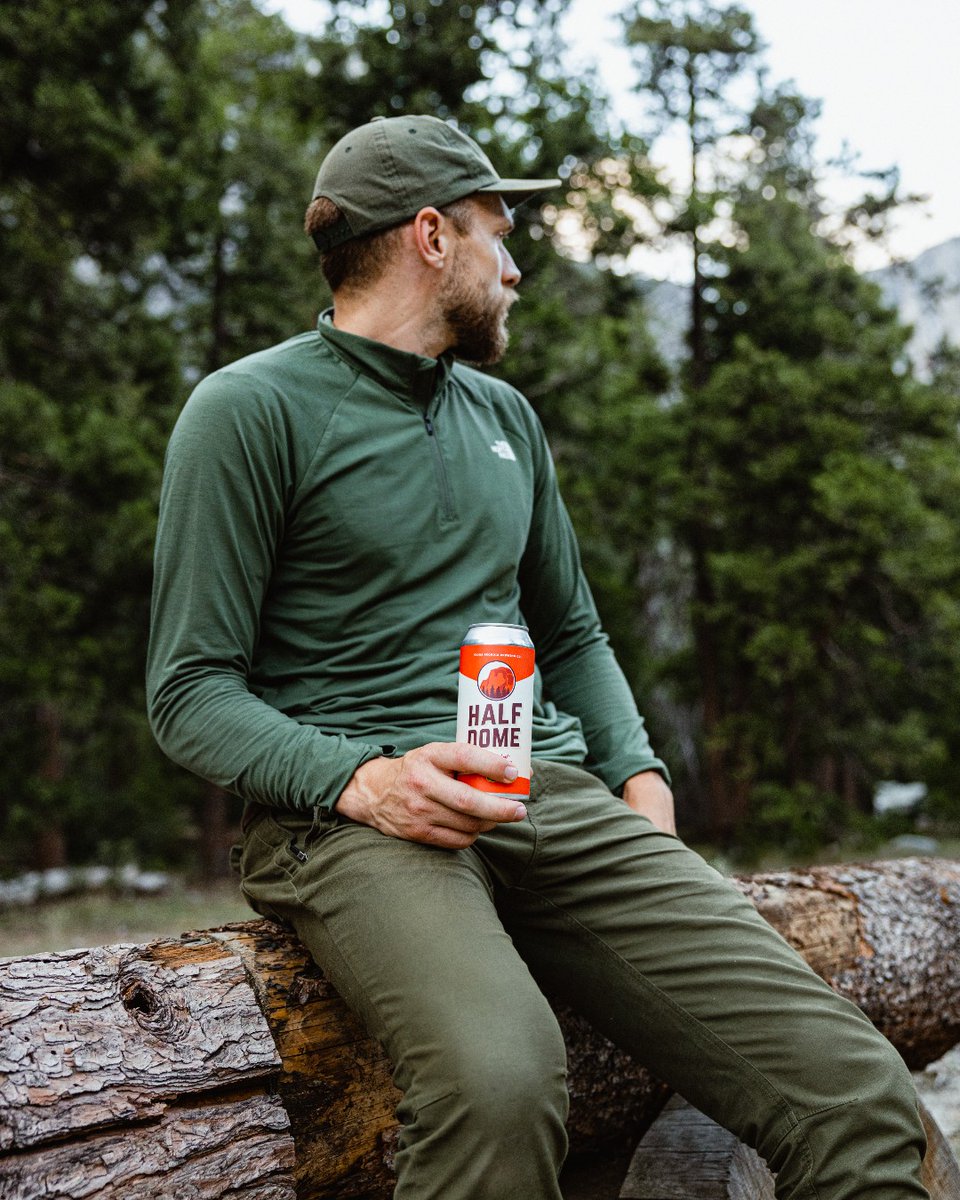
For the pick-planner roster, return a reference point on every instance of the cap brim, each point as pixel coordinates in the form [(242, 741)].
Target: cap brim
[(516, 191)]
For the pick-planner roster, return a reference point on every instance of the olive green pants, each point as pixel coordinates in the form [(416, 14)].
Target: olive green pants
[(443, 954)]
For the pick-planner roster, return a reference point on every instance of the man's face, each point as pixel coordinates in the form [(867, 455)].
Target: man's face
[(479, 288)]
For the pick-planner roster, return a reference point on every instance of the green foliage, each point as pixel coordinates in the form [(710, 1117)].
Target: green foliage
[(235, 262), (76, 531), (87, 378), (818, 446), (810, 476), (688, 55)]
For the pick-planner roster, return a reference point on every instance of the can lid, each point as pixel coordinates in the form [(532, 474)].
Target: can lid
[(495, 632), (497, 625)]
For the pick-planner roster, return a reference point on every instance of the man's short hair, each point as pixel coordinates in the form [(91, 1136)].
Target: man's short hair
[(358, 263)]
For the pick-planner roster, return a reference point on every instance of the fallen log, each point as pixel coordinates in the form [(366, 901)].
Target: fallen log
[(684, 1154), (147, 1041), (241, 1149), (885, 935)]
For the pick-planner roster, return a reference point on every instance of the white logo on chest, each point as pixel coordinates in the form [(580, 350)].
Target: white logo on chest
[(504, 450)]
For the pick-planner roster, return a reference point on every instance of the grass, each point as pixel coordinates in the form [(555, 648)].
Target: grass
[(98, 920)]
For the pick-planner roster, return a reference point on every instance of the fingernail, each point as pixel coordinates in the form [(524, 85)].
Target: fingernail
[(521, 812), (510, 774)]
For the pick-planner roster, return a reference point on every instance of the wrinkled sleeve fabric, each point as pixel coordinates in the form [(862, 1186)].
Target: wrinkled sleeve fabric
[(580, 674), (229, 476)]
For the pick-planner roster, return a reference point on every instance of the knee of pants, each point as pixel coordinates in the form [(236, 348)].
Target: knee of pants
[(500, 1134), (889, 1082), (869, 1142), (507, 1101), (501, 1090)]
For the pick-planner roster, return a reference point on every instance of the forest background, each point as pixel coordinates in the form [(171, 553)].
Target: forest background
[(772, 531)]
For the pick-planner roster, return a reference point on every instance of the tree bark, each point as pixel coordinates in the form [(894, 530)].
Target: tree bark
[(112, 1036), (241, 1149), (107, 1054), (886, 935)]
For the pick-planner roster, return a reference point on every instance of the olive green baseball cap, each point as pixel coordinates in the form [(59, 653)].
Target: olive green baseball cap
[(384, 172)]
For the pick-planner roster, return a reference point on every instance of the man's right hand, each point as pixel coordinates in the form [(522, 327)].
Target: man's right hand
[(416, 797)]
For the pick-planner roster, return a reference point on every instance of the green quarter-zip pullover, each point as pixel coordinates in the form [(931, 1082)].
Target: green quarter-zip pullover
[(334, 514)]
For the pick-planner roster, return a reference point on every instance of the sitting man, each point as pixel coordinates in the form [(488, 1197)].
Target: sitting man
[(336, 511)]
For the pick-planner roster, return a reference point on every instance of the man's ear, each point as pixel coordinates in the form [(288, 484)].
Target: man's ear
[(431, 238)]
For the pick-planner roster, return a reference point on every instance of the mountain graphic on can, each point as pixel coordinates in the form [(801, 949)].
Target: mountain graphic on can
[(496, 681)]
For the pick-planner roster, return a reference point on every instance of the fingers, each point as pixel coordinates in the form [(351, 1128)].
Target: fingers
[(446, 839), (416, 796), (470, 760), (427, 771), (428, 821)]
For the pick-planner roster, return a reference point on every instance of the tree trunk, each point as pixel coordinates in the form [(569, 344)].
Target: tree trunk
[(51, 842), (686, 1155), (198, 1063), (216, 351), (241, 1150), (215, 835)]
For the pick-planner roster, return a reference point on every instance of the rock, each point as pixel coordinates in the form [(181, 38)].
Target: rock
[(939, 1088)]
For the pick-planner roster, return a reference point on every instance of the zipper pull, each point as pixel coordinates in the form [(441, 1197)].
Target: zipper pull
[(429, 425), (297, 853)]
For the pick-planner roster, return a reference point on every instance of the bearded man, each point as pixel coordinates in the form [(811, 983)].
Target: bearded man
[(336, 511)]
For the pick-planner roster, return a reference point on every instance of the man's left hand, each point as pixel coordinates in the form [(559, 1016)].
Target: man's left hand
[(649, 795)]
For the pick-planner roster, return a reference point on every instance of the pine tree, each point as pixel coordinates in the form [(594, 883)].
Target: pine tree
[(85, 371), (793, 468)]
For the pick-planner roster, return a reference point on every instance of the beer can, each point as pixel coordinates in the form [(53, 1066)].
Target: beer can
[(495, 704)]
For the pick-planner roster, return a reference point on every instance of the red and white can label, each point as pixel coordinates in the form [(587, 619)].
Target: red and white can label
[(495, 710)]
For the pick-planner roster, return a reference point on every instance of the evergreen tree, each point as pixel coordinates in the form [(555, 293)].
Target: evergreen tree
[(687, 58), (84, 374), (773, 542), (793, 464), (235, 262), (833, 571)]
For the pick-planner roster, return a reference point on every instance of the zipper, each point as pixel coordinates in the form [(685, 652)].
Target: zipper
[(446, 497)]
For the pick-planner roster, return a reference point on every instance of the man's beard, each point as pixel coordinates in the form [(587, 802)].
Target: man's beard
[(477, 324)]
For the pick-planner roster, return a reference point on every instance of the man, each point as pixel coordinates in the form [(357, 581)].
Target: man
[(336, 511)]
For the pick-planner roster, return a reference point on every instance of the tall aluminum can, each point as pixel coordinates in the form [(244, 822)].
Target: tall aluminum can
[(495, 705)]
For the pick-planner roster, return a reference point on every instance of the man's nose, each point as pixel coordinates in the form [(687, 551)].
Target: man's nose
[(509, 271)]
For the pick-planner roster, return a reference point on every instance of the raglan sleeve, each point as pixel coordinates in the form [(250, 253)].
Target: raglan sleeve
[(228, 476), (581, 675)]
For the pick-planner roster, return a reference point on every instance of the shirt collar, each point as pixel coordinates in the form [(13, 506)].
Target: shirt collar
[(410, 376)]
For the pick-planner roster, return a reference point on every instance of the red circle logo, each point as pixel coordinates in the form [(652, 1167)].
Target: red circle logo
[(496, 681)]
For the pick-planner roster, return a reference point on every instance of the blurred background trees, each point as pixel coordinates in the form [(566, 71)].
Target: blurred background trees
[(771, 525)]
